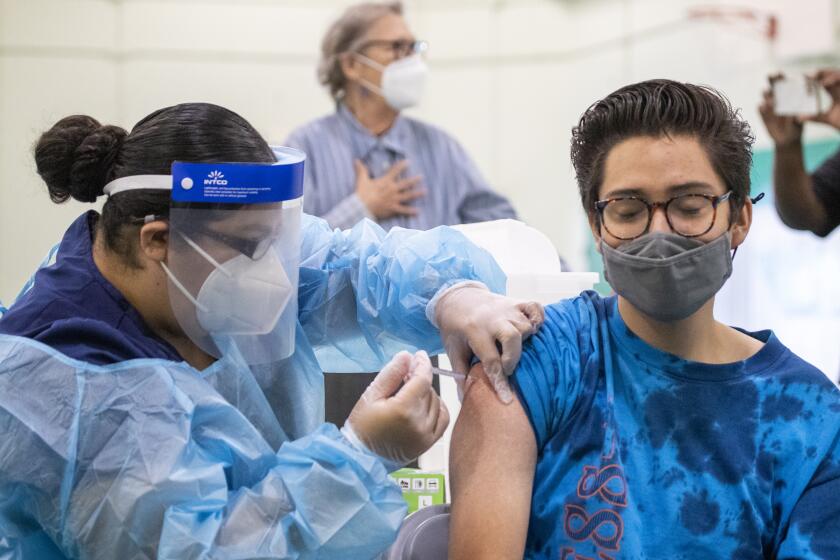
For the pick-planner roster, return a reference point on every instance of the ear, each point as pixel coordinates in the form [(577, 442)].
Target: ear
[(741, 224), (350, 66), (154, 241)]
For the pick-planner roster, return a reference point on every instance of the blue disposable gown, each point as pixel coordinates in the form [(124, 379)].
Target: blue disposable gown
[(145, 457)]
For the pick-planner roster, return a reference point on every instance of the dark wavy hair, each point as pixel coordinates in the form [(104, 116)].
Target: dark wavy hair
[(656, 108), (78, 156)]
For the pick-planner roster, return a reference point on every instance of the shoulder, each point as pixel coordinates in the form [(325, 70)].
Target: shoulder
[(794, 379), (316, 237), (430, 133), (90, 340), (799, 400), (573, 320), (321, 244), (425, 127), (556, 362), (314, 130), (788, 369), (47, 304), (567, 338), (312, 223)]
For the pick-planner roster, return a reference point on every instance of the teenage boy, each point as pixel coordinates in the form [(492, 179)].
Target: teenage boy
[(643, 427)]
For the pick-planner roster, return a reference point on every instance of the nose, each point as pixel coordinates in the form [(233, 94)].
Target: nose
[(658, 221)]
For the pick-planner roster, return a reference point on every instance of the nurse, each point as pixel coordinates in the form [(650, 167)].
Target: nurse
[(161, 391)]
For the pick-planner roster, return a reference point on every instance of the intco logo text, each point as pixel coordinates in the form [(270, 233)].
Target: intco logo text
[(215, 178)]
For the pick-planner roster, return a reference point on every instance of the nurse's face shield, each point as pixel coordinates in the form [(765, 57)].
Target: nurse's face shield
[(233, 254)]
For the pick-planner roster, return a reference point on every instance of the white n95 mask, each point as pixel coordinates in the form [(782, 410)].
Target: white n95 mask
[(241, 296), (244, 296), (403, 80)]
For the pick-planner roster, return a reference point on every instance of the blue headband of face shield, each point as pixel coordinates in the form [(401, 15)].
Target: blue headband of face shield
[(226, 183)]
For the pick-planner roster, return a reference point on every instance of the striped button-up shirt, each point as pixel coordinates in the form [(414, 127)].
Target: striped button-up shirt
[(456, 192)]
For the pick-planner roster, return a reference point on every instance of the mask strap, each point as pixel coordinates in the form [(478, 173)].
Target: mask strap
[(735, 250), (376, 66), (375, 89), (181, 287), (204, 254), (370, 62), (178, 283)]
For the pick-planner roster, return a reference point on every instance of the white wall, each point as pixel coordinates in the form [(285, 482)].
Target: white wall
[(120, 60), (509, 79)]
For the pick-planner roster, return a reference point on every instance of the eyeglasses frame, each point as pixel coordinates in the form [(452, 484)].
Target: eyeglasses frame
[(600, 205)]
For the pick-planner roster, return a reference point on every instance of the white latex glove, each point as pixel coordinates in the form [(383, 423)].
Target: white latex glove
[(473, 320), (399, 423)]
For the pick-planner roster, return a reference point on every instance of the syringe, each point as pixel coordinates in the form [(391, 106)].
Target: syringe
[(447, 373)]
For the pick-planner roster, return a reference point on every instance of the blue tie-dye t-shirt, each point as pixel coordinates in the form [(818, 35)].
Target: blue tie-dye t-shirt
[(644, 455)]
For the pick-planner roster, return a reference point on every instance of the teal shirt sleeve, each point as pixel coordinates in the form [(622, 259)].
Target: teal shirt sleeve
[(549, 377), (363, 293)]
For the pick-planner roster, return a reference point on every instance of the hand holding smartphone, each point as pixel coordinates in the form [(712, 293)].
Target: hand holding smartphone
[(799, 95)]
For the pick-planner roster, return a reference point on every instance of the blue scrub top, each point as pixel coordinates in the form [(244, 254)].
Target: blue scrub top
[(76, 311)]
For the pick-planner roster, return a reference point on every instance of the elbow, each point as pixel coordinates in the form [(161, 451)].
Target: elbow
[(803, 222), (822, 229)]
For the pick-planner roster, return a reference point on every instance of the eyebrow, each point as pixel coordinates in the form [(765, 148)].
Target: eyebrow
[(673, 190)]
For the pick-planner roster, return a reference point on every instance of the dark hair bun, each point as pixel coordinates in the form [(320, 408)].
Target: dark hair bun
[(75, 157)]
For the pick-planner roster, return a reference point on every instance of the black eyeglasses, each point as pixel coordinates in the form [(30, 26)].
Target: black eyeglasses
[(629, 217), (400, 48), (254, 249)]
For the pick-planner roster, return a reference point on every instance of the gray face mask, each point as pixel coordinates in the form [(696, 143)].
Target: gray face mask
[(667, 276)]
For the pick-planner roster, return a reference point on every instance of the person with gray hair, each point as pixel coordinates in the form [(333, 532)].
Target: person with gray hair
[(367, 160)]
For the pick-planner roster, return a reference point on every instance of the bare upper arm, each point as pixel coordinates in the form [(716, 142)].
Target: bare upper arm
[(492, 461)]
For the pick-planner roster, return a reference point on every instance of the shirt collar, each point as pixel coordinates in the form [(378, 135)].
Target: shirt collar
[(78, 241), (678, 367), (77, 244), (393, 139)]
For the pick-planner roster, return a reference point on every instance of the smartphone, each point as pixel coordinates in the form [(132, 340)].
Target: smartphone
[(799, 95)]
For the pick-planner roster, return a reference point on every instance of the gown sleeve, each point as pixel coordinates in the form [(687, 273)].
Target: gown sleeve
[(363, 293), (143, 459)]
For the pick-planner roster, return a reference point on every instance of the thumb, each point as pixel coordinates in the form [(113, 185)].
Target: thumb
[(360, 169), (388, 381), (501, 386), (535, 314), (419, 384)]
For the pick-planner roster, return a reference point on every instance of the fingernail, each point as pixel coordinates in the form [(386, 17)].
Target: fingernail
[(503, 390)]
